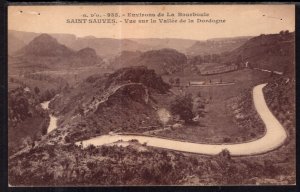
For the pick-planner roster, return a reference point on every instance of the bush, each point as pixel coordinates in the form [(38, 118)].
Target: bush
[(225, 154), (36, 90), (183, 106)]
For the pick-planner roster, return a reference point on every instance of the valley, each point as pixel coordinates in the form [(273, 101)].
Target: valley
[(172, 115), (274, 136)]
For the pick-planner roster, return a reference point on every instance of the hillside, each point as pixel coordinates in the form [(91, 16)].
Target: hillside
[(163, 61), (202, 103), (216, 46), (106, 47), (27, 37), (281, 98), (14, 43), (45, 51), (110, 47), (271, 52), (125, 100), (45, 45), (27, 121), (126, 59), (155, 43)]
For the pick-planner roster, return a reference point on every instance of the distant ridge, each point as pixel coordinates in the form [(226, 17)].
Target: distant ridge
[(45, 51), (45, 45), (163, 61), (110, 47), (216, 45)]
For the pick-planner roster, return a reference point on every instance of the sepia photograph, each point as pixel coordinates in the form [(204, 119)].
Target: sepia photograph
[(151, 95)]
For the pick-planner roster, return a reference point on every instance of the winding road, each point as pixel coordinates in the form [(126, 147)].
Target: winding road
[(274, 137)]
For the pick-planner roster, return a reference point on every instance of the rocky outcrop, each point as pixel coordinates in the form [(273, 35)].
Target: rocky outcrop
[(125, 100), (140, 74)]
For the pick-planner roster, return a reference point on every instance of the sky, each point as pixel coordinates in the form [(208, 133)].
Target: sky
[(240, 20)]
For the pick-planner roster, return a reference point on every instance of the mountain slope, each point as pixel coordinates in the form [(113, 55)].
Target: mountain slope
[(271, 52), (126, 59), (158, 43), (45, 45), (14, 43), (106, 47), (216, 46), (46, 52), (163, 61), (26, 37)]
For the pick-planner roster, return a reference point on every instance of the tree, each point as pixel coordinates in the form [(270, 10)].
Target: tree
[(225, 155), (281, 32), (207, 58), (177, 81), (183, 106), (199, 94), (239, 61), (80, 110), (199, 106), (171, 81), (47, 95), (215, 58), (36, 90), (286, 32), (197, 60)]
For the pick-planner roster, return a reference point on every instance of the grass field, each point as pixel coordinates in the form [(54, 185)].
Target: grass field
[(244, 79), (218, 126)]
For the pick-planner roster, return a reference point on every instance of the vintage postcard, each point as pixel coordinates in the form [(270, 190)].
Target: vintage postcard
[(117, 95)]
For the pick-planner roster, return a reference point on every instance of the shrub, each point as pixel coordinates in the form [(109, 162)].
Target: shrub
[(183, 106), (225, 154)]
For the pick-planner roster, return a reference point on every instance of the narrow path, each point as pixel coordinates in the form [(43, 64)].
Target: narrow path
[(265, 70), (274, 137), (213, 84)]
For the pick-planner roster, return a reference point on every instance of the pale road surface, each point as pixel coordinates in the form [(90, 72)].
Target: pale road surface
[(274, 137)]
